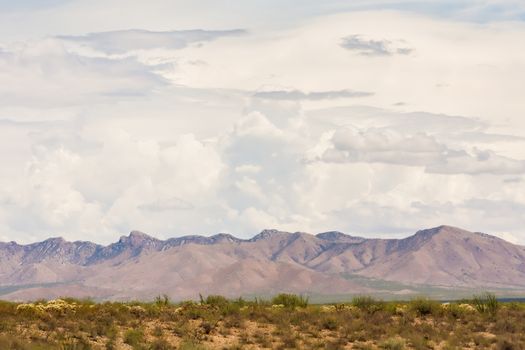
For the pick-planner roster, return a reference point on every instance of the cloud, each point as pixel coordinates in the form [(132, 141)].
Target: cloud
[(123, 41), (476, 162), (255, 124), (57, 77), (383, 146), (475, 214), (350, 144), (106, 134), (373, 47), (297, 95), (413, 122)]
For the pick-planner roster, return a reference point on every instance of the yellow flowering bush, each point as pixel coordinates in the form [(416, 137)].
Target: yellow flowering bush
[(55, 307)]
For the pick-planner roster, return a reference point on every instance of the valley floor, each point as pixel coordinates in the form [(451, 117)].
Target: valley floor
[(286, 322)]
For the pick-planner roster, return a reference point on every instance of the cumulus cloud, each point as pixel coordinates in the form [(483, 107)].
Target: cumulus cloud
[(100, 136), (119, 42), (59, 192), (370, 47)]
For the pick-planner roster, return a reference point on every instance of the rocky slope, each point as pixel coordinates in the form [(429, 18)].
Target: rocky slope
[(140, 266)]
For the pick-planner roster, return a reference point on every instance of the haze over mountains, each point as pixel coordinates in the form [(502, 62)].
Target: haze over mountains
[(330, 263)]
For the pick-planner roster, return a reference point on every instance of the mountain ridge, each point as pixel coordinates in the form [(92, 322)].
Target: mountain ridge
[(140, 266), (137, 235)]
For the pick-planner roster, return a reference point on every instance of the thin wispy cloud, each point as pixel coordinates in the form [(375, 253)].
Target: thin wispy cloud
[(118, 42), (297, 95), (371, 47)]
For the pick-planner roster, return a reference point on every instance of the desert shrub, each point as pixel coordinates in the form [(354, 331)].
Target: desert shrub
[(289, 340), (367, 303), (7, 308), (363, 346), (208, 327), (191, 345), (418, 342), (230, 309), (160, 344), (330, 323), (424, 306), (81, 344), (486, 303), (290, 300), (505, 325), (454, 310), (515, 306), (111, 344), (278, 323), (214, 300), (262, 339), (392, 307), (134, 337), (162, 300), (504, 344), (393, 344)]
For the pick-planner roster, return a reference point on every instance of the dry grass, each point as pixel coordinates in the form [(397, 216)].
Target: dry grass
[(287, 323)]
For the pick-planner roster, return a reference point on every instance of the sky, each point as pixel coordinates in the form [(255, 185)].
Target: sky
[(375, 118)]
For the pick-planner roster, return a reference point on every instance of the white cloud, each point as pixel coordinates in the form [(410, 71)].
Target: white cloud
[(477, 162), (105, 138), (256, 124), (46, 75)]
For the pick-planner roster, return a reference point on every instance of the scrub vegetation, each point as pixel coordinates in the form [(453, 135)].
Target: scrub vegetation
[(286, 321)]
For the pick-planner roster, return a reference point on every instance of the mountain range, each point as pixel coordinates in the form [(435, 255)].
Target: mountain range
[(139, 266)]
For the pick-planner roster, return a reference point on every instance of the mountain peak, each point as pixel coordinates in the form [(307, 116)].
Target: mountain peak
[(268, 233), (336, 236), (331, 235), (50, 243), (448, 233), (224, 237), (139, 235), (441, 230), (137, 238), (55, 240)]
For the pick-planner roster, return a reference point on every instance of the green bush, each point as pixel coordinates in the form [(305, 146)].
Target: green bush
[(455, 310), (214, 300), (424, 306), (486, 303), (134, 337), (367, 303), (290, 300)]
